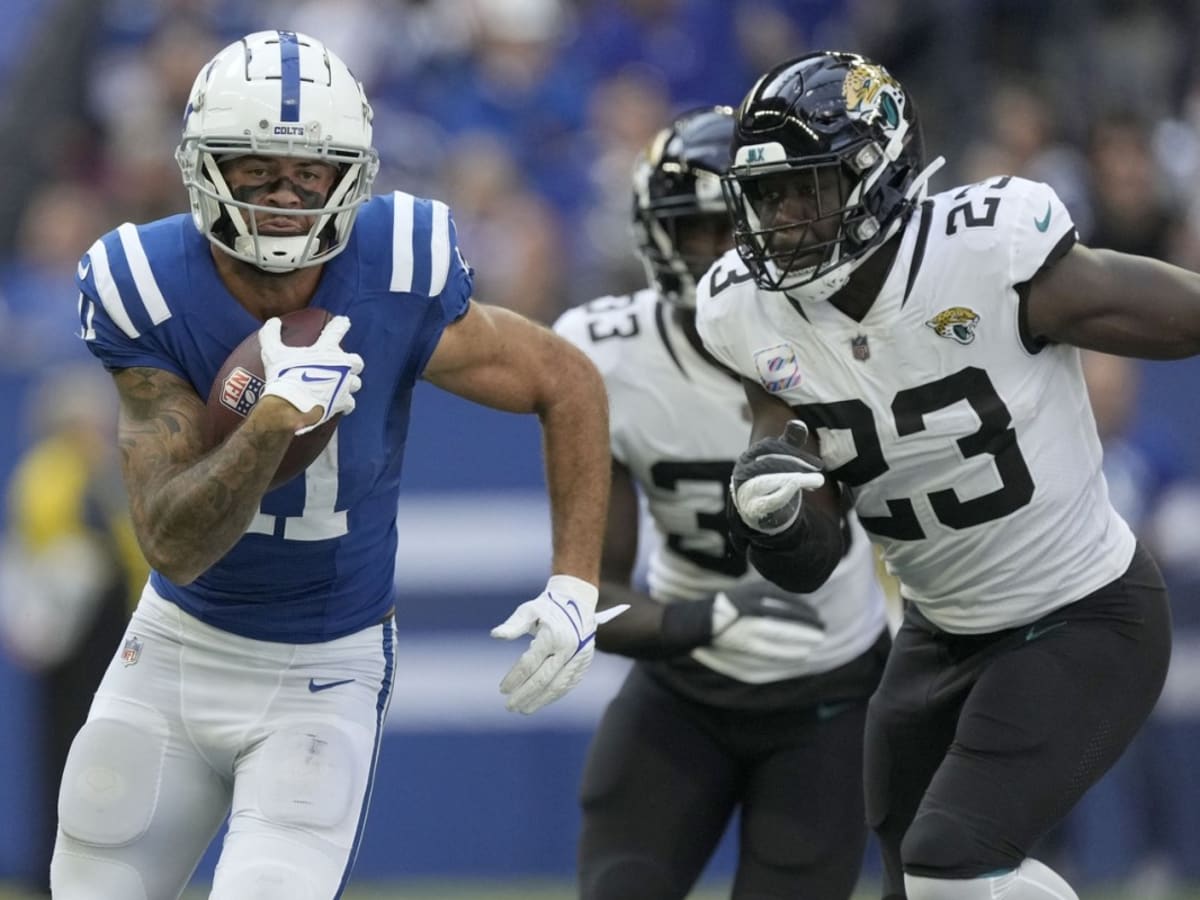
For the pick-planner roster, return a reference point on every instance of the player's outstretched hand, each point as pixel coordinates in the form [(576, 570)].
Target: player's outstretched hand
[(323, 375), (562, 620), (763, 621), (769, 479)]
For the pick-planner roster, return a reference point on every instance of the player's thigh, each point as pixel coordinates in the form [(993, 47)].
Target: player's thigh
[(1044, 721), (302, 786), (137, 807), (658, 790), (300, 796), (910, 725), (803, 830)]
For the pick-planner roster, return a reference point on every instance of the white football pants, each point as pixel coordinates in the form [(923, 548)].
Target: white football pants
[(191, 724)]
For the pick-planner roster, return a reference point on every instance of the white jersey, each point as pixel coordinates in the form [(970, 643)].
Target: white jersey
[(678, 422), (969, 449)]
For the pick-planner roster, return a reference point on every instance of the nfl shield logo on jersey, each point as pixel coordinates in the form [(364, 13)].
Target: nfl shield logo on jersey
[(778, 368), (132, 651), (241, 391), (860, 348)]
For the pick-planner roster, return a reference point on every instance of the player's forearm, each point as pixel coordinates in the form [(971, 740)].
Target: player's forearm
[(650, 629), (801, 559), (197, 515), (578, 465)]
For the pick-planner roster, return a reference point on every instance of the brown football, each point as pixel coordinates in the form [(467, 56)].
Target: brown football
[(239, 383)]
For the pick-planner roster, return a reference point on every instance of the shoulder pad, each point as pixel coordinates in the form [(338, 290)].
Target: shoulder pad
[(122, 270), (418, 239), (726, 289), (611, 329), (1024, 221)]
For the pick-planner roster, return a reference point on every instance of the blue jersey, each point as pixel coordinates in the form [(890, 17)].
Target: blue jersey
[(318, 560)]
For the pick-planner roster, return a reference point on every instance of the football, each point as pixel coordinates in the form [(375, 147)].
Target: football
[(239, 384)]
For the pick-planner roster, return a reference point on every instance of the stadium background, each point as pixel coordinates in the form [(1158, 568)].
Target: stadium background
[(524, 115)]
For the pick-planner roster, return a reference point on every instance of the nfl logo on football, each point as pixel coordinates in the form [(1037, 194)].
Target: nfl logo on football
[(240, 391), (132, 651)]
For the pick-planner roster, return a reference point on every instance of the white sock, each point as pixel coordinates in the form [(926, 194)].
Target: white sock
[(1031, 880)]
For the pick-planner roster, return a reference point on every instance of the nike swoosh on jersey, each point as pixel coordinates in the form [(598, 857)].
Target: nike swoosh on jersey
[(85, 266), (1035, 632), (1043, 223), (316, 687)]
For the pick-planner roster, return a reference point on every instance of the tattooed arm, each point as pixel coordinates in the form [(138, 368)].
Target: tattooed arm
[(189, 508)]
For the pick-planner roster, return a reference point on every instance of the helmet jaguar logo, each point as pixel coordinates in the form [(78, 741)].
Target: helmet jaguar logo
[(957, 323), (871, 92)]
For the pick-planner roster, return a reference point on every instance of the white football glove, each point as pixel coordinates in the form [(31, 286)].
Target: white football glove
[(769, 479), (763, 621), (562, 620), (322, 375)]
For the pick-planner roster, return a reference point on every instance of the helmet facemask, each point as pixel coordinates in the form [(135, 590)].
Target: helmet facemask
[(843, 225), (680, 223), (678, 239), (233, 222)]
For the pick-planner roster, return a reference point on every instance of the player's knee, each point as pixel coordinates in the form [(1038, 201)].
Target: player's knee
[(629, 878), (309, 777), (264, 880), (76, 874), (943, 847), (111, 780), (918, 887), (1031, 880)]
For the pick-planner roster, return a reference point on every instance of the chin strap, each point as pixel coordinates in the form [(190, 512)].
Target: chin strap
[(273, 254), (917, 190)]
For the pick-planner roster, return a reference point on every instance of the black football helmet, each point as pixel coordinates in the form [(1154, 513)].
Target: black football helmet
[(827, 163), (677, 185)]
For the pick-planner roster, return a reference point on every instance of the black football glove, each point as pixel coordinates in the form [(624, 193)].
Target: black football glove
[(770, 477)]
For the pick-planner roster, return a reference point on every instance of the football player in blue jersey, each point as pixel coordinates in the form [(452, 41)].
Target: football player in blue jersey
[(255, 674)]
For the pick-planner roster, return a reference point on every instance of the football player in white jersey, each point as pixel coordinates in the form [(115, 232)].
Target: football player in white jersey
[(254, 679), (930, 346), (743, 697)]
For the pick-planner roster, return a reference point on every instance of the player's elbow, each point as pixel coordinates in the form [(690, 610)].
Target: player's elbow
[(167, 560), (573, 382), (801, 571), (173, 570)]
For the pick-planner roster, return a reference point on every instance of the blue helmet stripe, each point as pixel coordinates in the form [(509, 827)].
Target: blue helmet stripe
[(289, 59)]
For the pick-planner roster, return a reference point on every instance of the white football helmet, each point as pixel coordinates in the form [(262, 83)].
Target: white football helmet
[(276, 93)]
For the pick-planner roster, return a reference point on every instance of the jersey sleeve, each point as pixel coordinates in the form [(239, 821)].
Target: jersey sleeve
[(718, 295), (428, 262), (121, 305), (1041, 230)]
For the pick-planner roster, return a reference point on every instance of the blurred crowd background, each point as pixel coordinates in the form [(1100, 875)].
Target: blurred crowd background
[(525, 116)]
